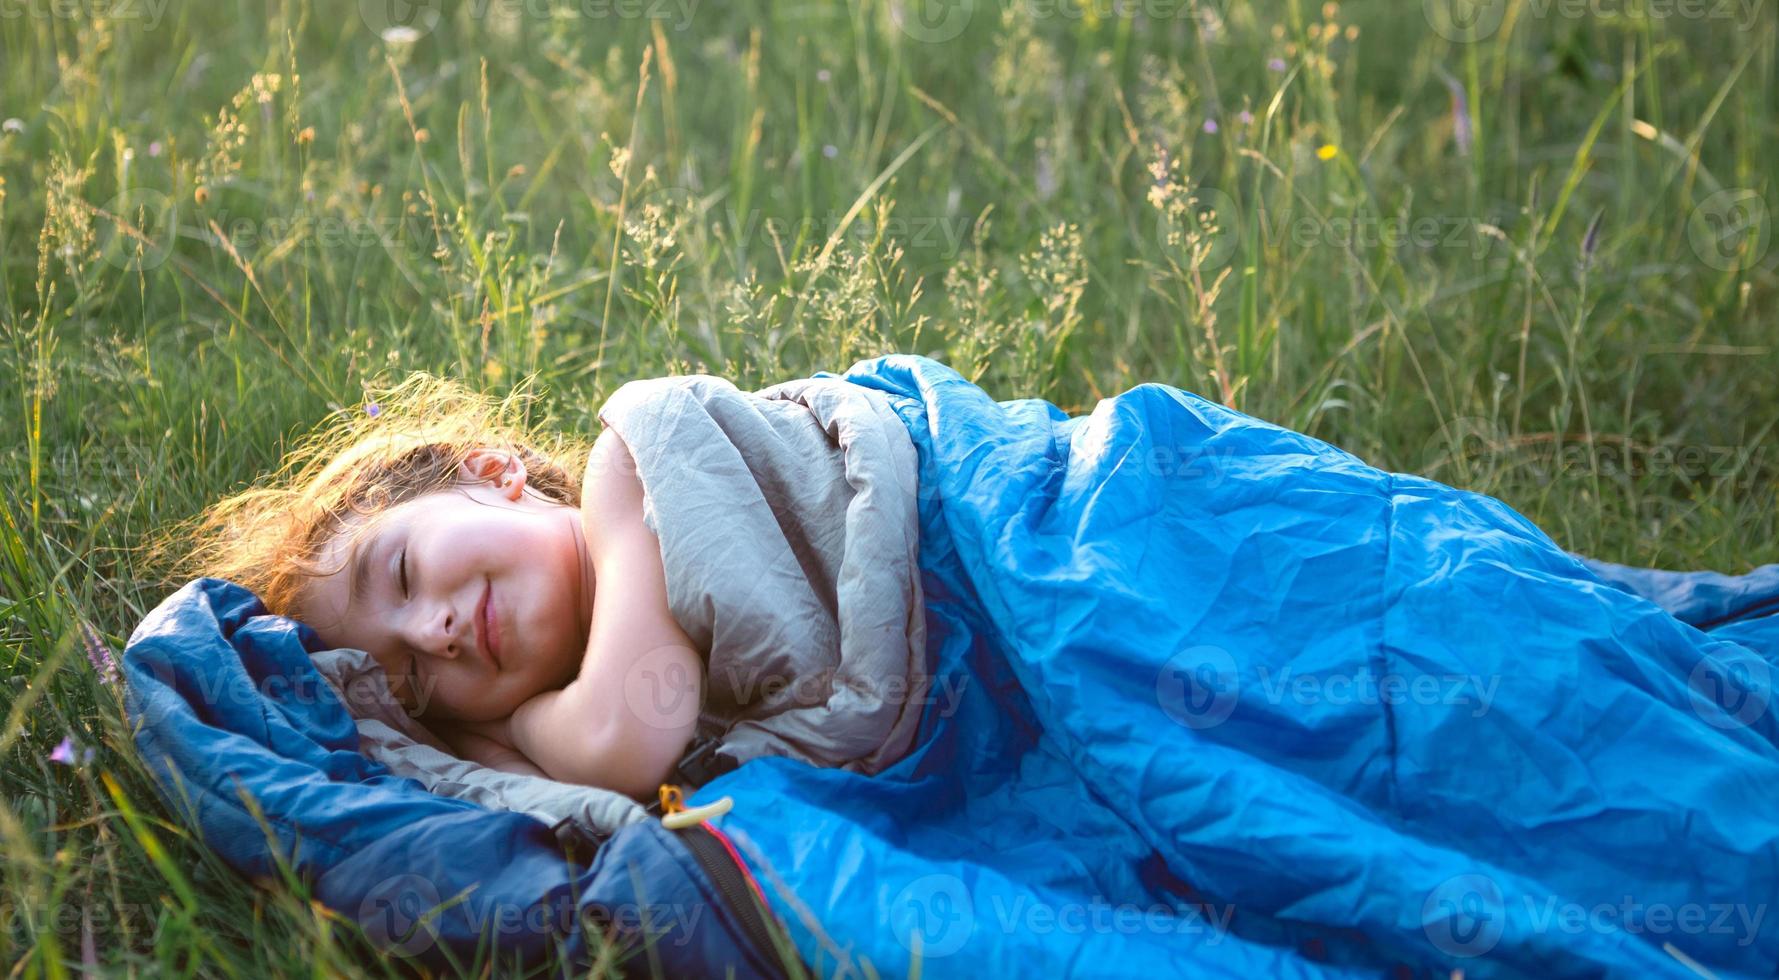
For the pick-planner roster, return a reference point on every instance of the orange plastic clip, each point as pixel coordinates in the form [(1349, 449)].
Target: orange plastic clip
[(672, 799)]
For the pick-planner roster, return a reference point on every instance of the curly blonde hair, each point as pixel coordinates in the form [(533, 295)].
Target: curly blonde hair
[(403, 442)]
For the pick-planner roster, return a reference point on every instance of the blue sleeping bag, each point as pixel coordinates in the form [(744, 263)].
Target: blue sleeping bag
[(1211, 698), (249, 744)]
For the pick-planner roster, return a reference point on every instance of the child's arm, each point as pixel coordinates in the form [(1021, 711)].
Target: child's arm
[(626, 719)]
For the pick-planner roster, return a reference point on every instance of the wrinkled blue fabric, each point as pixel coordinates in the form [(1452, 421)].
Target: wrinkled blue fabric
[(251, 745), (1211, 698), (1231, 702)]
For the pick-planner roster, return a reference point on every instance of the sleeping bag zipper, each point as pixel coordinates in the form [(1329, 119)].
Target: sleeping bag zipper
[(1755, 610), (732, 883)]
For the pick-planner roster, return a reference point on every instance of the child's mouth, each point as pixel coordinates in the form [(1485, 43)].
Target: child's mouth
[(487, 625)]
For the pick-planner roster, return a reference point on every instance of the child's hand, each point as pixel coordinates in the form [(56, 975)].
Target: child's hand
[(498, 731), (488, 743)]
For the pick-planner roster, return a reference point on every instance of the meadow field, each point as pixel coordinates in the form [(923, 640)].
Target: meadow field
[(1524, 247)]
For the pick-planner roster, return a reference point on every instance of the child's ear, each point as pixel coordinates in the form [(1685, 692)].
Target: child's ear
[(503, 470)]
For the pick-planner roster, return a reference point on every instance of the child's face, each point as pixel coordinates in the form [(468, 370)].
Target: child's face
[(526, 555)]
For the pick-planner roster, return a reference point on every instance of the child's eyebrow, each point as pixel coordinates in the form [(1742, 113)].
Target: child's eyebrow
[(356, 579)]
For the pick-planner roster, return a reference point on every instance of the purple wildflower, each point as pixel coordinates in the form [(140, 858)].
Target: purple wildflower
[(1461, 133), (64, 751), (1276, 64), (1211, 126), (373, 410), (1245, 117), (98, 653), (1591, 241)]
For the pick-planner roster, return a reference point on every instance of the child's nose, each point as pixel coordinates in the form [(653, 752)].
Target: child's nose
[(455, 632), (446, 635)]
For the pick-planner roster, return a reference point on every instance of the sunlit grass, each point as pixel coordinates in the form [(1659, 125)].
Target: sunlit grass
[(1538, 265)]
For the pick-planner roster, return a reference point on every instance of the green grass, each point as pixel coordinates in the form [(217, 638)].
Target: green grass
[(764, 190)]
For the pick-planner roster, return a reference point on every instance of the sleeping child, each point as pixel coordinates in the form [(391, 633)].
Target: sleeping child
[(1206, 656), (479, 601), (516, 597)]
